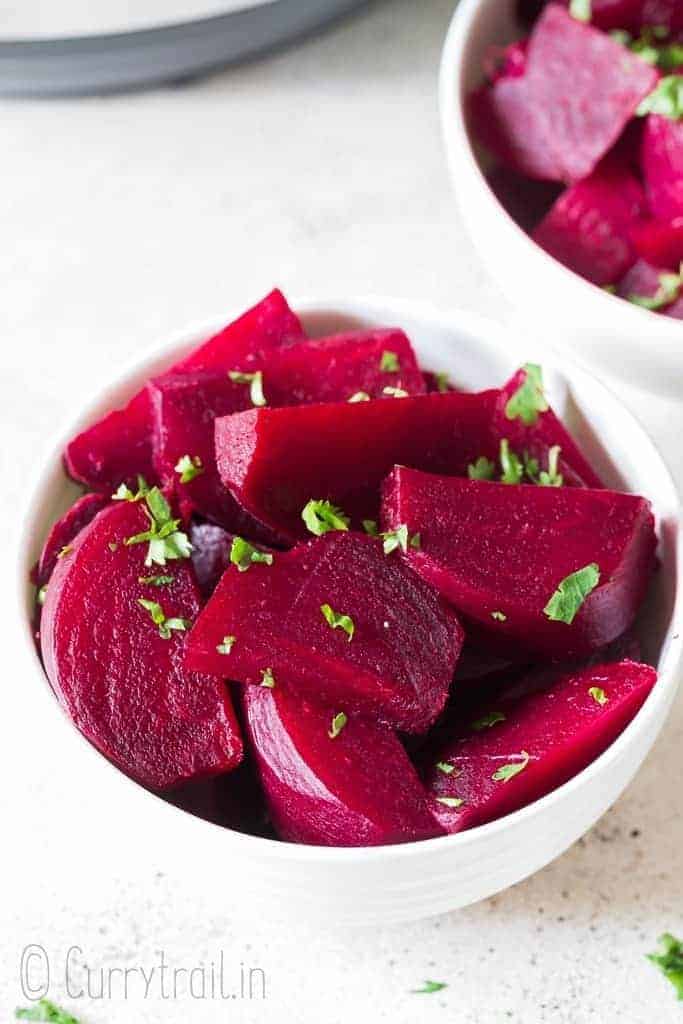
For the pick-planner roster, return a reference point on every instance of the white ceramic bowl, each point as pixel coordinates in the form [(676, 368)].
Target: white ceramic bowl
[(563, 309), (381, 885)]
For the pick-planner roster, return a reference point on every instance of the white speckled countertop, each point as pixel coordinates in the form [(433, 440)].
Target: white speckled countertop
[(126, 217)]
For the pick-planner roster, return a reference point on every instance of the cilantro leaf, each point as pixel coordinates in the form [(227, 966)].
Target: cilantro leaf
[(45, 1010), (389, 363), (482, 469), (226, 646), (450, 801), (581, 10), (244, 555), (529, 399), (268, 679), (335, 620), (158, 617), (338, 723), (666, 99), (156, 581), (429, 987), (551, 477), (511, 465), (445, 767), (598, 695), (370, 527), (571, 593), (669, 959), (358, 396), (322, 516), (487, 720), (124, 493), (508, 771), (399, 538), (255, 380), (499, 616), (189, 467), (395, 392)]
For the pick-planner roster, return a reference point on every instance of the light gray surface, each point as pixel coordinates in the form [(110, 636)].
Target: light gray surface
[(125, 218)]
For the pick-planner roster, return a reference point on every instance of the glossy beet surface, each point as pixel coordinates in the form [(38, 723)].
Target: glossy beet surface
[(550, 735), (356, 789), (82, 511), (397, 666), (554, 122), (662, 165), (498, 550), (661, 242), (343, 451), (118, 447), (123, 685)]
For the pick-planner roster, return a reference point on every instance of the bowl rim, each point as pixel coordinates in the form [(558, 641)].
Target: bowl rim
[(374, 306), (460, 156)]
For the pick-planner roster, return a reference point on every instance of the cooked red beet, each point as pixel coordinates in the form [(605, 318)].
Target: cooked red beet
[(396, 666), (662, 165), (124, 685), (499, 552), (538, 438), (527, 201), (675, 310), (343, 451), (83, 510), (118, 447), (510, 753), (211, 546), (660, 242), (590, 227), (356, 789), (508, 62), (578, 90)]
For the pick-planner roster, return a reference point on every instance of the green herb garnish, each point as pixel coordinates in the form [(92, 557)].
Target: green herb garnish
[(113, 546), (156, 581), (46, 1011), (399, 538), (442, 382), (445, 767), (226, 646), (487, 720), (255, 380), (529, 399), (268, 679), (370, 527), (499, 616), (598, 695), (669, 959), (571, 593), (511, 464), (322, 516), (551, 477), (159, 619), (66, 550), (389, 363), (429, 987), (189, 467), (338, 723), (508, 771), (124, 493), (166, 541), (666, 99), (244, 555), (482, 469), (335, 620), (581, 10), (359, 396), (668, 291), (450, 801), (395, 392)]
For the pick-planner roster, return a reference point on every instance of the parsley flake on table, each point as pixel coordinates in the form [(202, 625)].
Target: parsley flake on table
[(508, 771), (598, 695), (188, 467), (337, 621), (400, 538), (268, 679), (669, 959), (338, 723), (45, 1010), (322, 516), (430, 987), (359, 396), (255, 380), (244, 555), (166, 541), (389, 363), (226, 646), (488, 720), (158, 617), (529, 399), (571, 593), (666, 99), (482, 469)]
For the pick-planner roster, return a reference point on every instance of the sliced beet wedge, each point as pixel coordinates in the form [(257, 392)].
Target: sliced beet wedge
[(590, 227), (662, 166), (661, 243), (121, 682), (397, 664), (550, 122), (118, 447), (276, 460), (83, 510), (503, 556), (507, 754), (332, 786)]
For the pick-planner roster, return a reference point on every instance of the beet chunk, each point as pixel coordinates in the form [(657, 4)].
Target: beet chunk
[(499, 552), (399, 662), (509, 753), (661, 243), (589, 229), (123, 685), (118, 447), (83, 510), (662, 166), (358, 789), (578, 90), (275, 460)]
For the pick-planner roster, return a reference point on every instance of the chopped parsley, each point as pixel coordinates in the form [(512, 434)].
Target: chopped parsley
[(445, 767), (511, 464), (244, 555), (571, 593), (399, 538), (442, 382), (189, 467), (450, 801), (389, 363), (322, 516), (370, 527), (482, 469), (226, 646), (166, 541), (666, 99), (669, 959), (529, 399), (335, 620), (113, 546), (430, 987), (669, 290), (359, 396), (124, 493), (45, 1010), (41, 594), (268, 679), (156, 581), (652, 46), (551, 477), (508, 771), (499, 616), (598, 695), (158, 617), (338, 723), (395, 392), (255, 380), (487, 720), (581, 10)]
